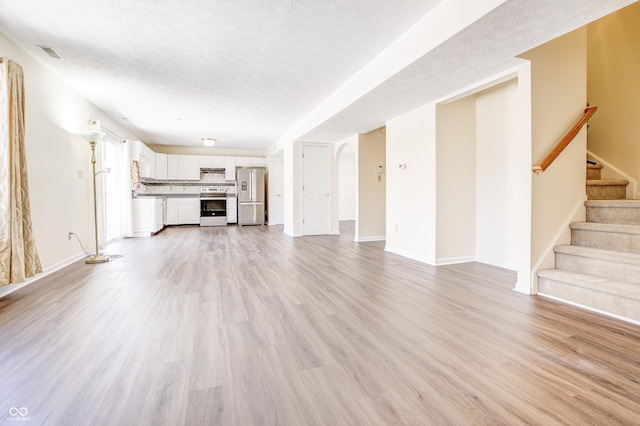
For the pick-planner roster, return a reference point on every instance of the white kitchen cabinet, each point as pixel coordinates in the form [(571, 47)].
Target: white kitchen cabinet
[(206, 161), (188, 211), (183, 211), (249, 162), (172, 211), (188, 167), (152, 163), (161, 166), (144, 156), (146, 216), (212, 162), (173, 172), (230, 168)]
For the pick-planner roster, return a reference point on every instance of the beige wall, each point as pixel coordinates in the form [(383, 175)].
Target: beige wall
[(456, 182), (613, 85), (497, 217), (371, 187), (558, 99), (411, 184), (60, 201)]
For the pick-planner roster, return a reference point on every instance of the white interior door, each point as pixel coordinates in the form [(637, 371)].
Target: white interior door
[(316, 189)]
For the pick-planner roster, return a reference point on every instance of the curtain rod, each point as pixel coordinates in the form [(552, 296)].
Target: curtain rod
[(109, 132)]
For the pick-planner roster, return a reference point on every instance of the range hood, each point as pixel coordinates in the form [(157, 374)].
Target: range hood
[(212, 170)]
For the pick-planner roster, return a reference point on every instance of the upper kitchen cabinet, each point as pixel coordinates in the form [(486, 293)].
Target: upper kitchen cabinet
[(172, 167), (212, 162), (183, 167), (230, 168), (189, 167), (249, 162), (145, 157), (161, 166)]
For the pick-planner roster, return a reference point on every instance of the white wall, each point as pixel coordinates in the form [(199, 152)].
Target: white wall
[(443, 22), (347, 148), (347, 184), (496, 175), (60, 201), (411, 191), (456, 182), (558, 99)]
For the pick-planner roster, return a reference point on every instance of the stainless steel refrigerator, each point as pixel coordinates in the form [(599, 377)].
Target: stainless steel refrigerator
[(251, 195)]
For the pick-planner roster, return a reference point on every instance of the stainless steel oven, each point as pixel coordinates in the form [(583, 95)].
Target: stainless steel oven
[(213, 206)]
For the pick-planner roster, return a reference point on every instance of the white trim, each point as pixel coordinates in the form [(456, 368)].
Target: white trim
[(497, 79), (588, 308), (554, 242), (632, 181), (50, 270), (454, 260), (369, 239), (412, 256)]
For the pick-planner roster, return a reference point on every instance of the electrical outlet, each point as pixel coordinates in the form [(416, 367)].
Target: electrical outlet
[(69, 235)]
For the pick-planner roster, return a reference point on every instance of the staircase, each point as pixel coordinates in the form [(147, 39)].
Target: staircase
[(601, 267)]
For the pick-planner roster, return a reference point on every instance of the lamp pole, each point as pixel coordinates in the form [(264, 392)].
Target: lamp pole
[(92, 136), (97, 258)]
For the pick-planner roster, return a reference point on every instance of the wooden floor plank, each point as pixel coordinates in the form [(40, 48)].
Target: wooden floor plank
[(248, 326)]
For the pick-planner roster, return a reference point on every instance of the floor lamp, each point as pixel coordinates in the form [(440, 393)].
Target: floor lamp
[(93, 136)]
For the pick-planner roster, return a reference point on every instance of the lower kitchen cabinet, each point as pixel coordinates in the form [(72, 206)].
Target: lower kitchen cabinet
[(188, 211), (146, 216), (183, 211)]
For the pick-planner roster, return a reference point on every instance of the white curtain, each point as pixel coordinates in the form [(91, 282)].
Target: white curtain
[(125, 190), (18, 254)]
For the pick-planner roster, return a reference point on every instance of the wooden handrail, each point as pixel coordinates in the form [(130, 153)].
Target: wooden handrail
[(565, 141)]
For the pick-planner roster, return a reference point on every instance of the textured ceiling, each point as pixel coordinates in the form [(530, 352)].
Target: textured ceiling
[(484, 49), (245, 71), (241, 71)]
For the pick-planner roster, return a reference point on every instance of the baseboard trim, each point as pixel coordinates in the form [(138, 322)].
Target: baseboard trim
[(47, 271), (454, 260), (588, 308), (632, 181), (548, 252), (369, 239)]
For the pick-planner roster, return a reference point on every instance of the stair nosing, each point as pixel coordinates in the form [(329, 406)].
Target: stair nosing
[(607, 182), (592, 282), (612, 228), (595, 253), (613, 203)]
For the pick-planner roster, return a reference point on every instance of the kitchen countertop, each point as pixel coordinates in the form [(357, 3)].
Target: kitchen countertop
[(168, 195)]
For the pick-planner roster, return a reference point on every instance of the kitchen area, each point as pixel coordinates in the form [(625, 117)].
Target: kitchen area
[(203, 190)]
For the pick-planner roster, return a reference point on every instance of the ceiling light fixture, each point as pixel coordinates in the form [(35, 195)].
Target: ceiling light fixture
[(208, 142)]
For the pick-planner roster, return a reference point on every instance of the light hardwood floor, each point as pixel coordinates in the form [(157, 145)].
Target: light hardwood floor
[(247, 326)]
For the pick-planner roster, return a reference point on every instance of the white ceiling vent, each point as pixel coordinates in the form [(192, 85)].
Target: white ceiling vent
[(50, 51)]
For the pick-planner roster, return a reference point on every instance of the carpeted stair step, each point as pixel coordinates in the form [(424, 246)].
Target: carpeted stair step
[(615, 297), (622, 238), (607, 189), (600, 263), (594, 171), (621, 212)]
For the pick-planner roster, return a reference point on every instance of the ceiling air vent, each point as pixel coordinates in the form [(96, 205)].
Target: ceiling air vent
[(50, 51)]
